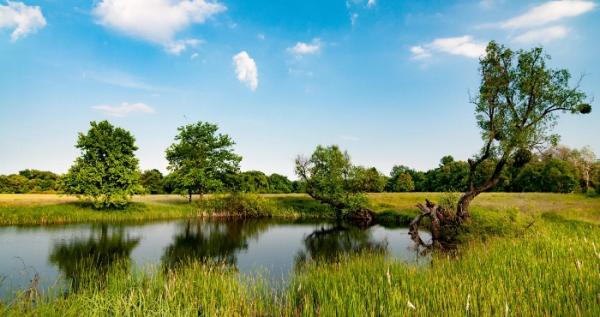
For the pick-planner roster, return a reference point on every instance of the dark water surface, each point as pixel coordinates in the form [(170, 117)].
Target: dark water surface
[(266, 246)]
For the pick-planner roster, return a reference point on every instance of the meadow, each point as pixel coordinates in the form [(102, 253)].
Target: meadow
[(522, 255)]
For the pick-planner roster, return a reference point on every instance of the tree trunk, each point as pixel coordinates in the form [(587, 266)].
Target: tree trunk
[(189, 196)]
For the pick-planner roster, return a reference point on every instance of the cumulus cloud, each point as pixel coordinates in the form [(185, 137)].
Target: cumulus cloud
[(23, 19), (371, 3), (156, 21), (124, 109), (462, 45), (246, 70), (543, 35), (548, 12), (302, 48)]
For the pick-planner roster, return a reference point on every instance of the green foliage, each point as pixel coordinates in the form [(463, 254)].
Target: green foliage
[(200, 159), (367, 180), (550, 175), (451, 175), (403, 183), (152, 181), (253, 182), (106, 172), (328, 175), (280, 184)]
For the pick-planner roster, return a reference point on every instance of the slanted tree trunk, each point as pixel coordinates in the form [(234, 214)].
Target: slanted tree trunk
[(363, 214), (445, 224)]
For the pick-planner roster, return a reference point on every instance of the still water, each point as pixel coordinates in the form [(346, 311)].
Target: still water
[(266, 246)]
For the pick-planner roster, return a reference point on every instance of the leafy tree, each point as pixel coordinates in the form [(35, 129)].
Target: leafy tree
[(280, 184), (253, 182), (404, 183), (17, 184), (107, 171), (548, 175), (152, 181), (40, 181), (367, 180), (516, 108), (327, 175), (200, 159)]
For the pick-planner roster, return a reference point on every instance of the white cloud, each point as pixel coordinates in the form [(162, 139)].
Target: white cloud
[(543, 35), (194, 56), (124, 109), (548, 12), (156, 21), (246, 70), (23, 19), (176, 47), (371, 3), (353, 18), (302, 48), (462, 45)]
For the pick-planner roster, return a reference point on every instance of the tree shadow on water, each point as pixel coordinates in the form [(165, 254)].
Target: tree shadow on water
[(86, 262)]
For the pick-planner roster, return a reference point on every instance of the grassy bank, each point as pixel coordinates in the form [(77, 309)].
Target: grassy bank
[(393, 208), (25, 209), (550, 269)]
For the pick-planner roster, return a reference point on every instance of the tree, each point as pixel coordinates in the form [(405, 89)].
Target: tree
[(327, 175), (200, 159), (280, 184), (107, 171), (253, 182), (516, 108), (367, 180), (152, 181), (404, 183)]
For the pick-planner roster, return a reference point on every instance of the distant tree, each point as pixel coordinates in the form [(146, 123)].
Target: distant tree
[(152, 181), (200, 159), (548, 175), (327, 175), (253, 182), (516, 107), (17, 184), (298, 186), (585, 159), (367, 180), (107, 171), (40, 181), (280, 184), (404, 183)]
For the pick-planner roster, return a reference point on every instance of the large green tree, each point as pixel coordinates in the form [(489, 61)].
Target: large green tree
[(516, 108), (327, 175), (200, 159), (107, 171)]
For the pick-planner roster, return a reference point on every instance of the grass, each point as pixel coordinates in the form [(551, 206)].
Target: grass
[(39, 209), (392, 208), (523, 255)]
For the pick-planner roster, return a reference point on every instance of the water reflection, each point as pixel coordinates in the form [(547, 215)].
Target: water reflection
[(211, 242), (329, 243), (79, 259)]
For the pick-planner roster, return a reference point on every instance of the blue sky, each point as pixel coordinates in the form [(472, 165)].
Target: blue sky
[(387, 80)]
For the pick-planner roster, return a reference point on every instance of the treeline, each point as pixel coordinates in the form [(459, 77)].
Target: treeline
[(558, 169)]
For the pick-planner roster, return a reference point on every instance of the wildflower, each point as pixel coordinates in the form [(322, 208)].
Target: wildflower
[(578, 264), (410, 305), (468, 302), (389, 276)]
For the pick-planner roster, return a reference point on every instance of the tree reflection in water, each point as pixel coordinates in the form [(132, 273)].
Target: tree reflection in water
[(88, 260), (211, 242), (333, 241)]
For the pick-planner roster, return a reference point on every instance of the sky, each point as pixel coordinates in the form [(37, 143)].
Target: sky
[(387, 80)]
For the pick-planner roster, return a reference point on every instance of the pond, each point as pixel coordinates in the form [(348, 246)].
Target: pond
[(267, 246)]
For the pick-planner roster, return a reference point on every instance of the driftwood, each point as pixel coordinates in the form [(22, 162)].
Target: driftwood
[(442, 226)]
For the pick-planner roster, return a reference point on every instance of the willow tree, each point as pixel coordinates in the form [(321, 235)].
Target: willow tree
[(516, 108)]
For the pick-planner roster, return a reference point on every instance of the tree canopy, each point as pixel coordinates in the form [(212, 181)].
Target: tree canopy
[(106, 172), (200, 159)]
